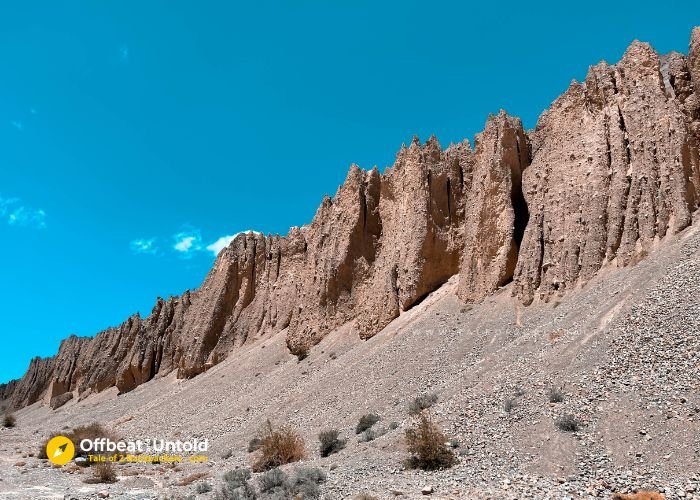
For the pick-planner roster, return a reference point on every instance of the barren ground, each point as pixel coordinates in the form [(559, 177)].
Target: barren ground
[(625, 348)]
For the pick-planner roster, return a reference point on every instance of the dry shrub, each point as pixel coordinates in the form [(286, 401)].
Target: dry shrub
[(555, 335), (568, 423), (203, 487), (192, 478), (366, 421), (422, 402), (508, 405), (91, 431), (254, 445), (103, 472), (426, 444), (9, 420), (555, 395), (278, 446), (330, 442), (236, 486)]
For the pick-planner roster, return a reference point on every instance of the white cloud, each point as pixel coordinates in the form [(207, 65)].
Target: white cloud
[(225, 241), (145, 246), (16, 214), (18, 125), (187, 243)]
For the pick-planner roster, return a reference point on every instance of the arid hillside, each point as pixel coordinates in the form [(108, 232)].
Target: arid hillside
[(539, 290), (622, 352), (612, 168)]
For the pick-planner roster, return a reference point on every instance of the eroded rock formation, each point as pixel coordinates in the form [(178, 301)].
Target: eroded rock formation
[(611, 168), (615, 168), (496, 213)]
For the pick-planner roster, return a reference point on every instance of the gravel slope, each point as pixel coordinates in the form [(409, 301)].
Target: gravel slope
[(624, 349)]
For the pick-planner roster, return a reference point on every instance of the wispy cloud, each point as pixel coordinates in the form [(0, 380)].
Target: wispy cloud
[(17, 125), (17, 214), (124, 53), (144, 246), (225, 241), (187, 243)]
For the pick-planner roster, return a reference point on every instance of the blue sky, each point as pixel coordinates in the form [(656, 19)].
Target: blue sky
[(135, 135)]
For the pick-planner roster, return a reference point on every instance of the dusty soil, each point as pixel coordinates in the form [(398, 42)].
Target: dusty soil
[(625, 351)]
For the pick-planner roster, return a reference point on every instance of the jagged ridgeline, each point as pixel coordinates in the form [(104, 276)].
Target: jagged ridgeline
[(611, 169)]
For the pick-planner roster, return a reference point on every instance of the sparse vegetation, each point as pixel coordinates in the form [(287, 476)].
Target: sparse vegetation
[(555, 395), (273, 481), (236, 486), (254, 444), (426, 444), (91, 432), (302, 354), (393, 425), (519, 391), (9, 420), (203, 487), (330, 442), (278, 446), (366, 421), (372, 434), (228, 453), (555, 335), (102, 472), (305, 483), (568, 423), (508, 405), (422, 402)]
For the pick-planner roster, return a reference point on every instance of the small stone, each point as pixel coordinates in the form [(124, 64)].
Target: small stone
[(427, 490)]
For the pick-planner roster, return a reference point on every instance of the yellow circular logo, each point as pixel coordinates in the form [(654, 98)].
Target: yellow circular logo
[(60, 450)]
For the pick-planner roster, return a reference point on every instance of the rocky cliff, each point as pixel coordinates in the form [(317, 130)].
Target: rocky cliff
[(611, 168)]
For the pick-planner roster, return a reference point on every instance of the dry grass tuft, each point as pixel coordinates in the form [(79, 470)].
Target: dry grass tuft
[(278, 446), (555, 335), (102, 472), (330, 442), (568, 423), (91, 431), (366, 422), (426, 444), (555, 395), (422, 402), (9, 420)]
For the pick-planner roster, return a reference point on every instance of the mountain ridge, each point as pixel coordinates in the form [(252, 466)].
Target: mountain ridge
[(611, 168)]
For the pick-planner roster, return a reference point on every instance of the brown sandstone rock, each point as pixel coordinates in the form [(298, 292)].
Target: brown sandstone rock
[(614, 168), (496, 213)]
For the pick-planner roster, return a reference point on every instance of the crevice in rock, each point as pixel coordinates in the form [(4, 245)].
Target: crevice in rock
[(449, 202), (279, 263), (520, 211), (625, 137)]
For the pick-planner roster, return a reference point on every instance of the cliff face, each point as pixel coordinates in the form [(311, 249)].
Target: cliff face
[(611, 168), (496, 211), (615, 168)]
